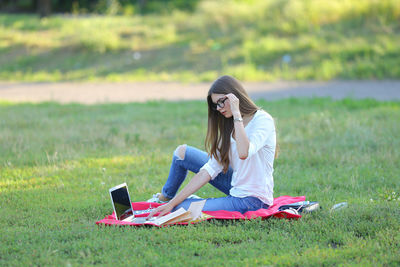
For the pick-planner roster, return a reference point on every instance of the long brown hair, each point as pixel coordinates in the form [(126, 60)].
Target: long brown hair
[(220, 128)]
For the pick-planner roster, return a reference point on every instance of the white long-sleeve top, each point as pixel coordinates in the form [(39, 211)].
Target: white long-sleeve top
[(253, 175)]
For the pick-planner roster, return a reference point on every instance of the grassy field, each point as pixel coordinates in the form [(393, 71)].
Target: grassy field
[(58, 161), (253, 40)]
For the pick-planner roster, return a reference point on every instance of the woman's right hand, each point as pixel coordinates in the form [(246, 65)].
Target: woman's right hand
[(164, 209)]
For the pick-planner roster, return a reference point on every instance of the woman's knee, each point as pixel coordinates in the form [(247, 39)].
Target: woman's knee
[(180, 151)]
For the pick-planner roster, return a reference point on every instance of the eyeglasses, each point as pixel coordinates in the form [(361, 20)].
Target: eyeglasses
[(220, 103)]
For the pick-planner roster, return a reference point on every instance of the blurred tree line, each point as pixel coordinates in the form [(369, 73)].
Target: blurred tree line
[(110, 7)]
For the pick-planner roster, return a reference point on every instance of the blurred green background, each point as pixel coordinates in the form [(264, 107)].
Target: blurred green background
[(176, 40)]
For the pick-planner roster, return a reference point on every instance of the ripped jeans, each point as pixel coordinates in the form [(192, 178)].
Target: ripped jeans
[(193, 160)]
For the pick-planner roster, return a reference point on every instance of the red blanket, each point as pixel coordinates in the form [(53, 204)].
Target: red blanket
[(220, 214)]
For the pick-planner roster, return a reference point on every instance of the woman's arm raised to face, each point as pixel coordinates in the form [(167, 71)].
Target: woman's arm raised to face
[(200, 179), (242, 142)]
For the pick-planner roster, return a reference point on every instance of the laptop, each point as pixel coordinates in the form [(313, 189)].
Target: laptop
[(122, 205)]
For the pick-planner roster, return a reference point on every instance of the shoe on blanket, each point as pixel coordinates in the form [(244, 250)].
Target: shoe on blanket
[(194, 197), (156, 198), (301, 207)]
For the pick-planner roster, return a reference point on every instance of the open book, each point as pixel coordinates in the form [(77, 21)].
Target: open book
[(193, 214)]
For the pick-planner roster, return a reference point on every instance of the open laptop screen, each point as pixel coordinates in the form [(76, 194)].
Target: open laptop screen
[(121, 201)]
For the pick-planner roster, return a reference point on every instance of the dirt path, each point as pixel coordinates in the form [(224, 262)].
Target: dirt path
[(91, 93)]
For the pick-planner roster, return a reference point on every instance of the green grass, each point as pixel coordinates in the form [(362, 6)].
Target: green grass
[(324, 39), (58, 161)]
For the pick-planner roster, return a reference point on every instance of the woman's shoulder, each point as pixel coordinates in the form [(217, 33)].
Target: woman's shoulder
[(261, 119), (262, 115)]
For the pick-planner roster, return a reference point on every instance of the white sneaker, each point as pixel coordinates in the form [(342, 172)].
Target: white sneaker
[(194, 197), (155, 199)]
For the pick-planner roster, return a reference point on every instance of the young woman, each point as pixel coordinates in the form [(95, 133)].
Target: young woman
[(241, 143)]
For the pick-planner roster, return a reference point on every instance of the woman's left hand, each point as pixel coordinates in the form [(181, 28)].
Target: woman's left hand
[(234, 103)]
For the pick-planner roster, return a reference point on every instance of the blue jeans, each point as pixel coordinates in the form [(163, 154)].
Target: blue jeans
[(193, 160)]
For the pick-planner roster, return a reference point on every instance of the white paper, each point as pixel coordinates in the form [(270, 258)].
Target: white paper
[(196, 207)]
